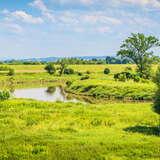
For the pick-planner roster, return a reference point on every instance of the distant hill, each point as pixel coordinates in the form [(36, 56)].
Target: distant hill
[(53, 59)]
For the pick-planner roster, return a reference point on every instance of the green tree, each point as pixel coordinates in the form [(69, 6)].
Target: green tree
[(63, 66), (138, 49), (50, 68), (156, 106), (11, 72)]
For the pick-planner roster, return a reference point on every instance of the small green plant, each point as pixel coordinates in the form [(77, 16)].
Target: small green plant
[(106, 71), (79, 73), (128, 69), (68, 71), (50, 68), (11, 72), (68, 83), (4, 95), (88, 72), (136, 78), (85, 77)]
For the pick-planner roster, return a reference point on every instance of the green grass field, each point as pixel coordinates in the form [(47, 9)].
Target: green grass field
[(98, 85), (32, 130), (106, 130)]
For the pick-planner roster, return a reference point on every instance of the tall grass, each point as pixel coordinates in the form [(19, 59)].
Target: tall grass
[(32, 130)]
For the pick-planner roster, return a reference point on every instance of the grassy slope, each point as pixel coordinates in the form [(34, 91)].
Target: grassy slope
[(99, 85), (57, 131)]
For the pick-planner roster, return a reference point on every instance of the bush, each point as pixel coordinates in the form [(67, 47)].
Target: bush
[(68, 71), (4, 95), (127, 69), (68, 83), (120, 76), (136, 78), (123, 76), (51, 89), (156, 106), (4, 68), (88, 72), (50, 68), (79, 73), (106, 71), (11, 72), (85, 77)]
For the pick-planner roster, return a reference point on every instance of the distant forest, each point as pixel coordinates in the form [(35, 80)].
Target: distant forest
[(107, 60)]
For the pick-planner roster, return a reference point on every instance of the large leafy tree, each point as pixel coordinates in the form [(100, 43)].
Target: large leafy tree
[(137, 48)]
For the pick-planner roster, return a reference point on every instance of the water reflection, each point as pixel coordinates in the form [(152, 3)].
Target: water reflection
[(51, 93)]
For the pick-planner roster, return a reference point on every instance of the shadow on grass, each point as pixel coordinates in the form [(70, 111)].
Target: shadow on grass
[(144, 130)]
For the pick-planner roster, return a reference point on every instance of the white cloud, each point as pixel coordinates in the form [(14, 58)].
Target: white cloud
[(142, 3), (21, 16), (39, 4), (84, 2), (100, 17), (27, 18), (153, 3), (12, 27), (103, 29)]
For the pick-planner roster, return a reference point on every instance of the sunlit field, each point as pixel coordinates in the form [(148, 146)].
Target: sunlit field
[(36, 130), (105, 130), (98, 84)]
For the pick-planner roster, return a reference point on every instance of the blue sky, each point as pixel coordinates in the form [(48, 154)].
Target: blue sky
[(42, 28)]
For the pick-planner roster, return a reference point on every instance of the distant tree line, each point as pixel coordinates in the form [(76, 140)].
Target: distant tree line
[(108, 60)]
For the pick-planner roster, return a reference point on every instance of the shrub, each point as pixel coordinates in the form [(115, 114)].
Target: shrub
[(68, 71), (79, 73), (68, 83), (50, 68), (156, 106), (85, 77), (4, 95), (127, 69), (11, 72), (122, 77), (88, 72), (136, 78), (4, 68), (106, 71), (51, 89)]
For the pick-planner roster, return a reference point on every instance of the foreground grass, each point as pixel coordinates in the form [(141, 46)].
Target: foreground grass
[(32, 130)]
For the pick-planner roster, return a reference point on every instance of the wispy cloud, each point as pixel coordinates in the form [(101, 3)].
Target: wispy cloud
[(150, 3), (22, 16), (39, 4), (12, 27)]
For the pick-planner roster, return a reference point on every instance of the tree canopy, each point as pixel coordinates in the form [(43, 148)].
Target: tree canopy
[(138, 48)]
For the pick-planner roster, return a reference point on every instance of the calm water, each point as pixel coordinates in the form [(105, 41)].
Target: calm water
[(45, 94)]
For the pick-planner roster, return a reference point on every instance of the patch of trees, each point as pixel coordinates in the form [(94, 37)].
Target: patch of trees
[(125, 76), (117, 60), (10, 71), (61, 69)]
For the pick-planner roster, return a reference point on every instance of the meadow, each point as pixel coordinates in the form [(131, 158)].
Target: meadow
[(32, 130), (106, 130), (98, 85)]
